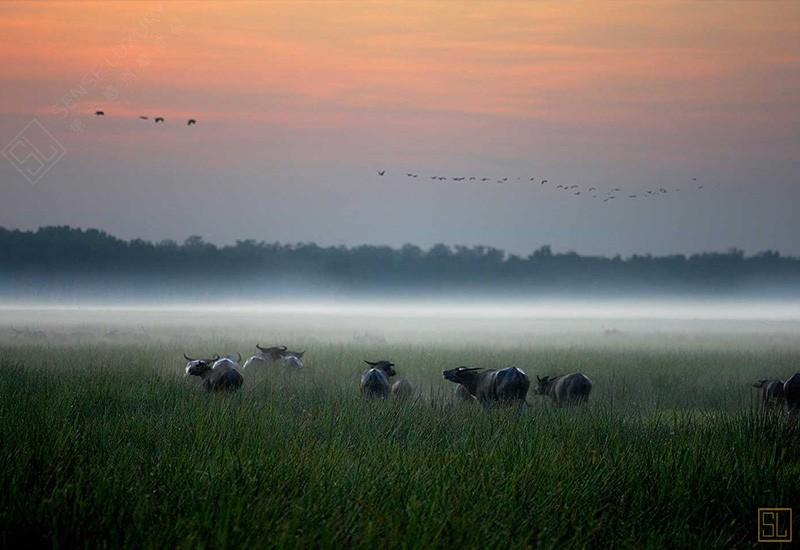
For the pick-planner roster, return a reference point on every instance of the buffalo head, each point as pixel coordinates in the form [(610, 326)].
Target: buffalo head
[(386, 366), (461, 375), (198, 367)]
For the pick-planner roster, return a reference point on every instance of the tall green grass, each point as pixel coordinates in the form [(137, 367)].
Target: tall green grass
[(109, 446)]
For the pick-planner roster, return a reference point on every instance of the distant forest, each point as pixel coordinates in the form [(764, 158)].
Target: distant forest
[(63, 263)]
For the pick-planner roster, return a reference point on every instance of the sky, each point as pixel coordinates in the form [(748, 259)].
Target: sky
[(299, 104)]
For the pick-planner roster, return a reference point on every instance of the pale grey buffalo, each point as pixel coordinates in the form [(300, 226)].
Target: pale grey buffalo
[(402, 389), (791, 395), (218, 374), (490, 386), (294, 359), (266, 355), (276, 354), (771, 392), (567, 389), (375, 381)]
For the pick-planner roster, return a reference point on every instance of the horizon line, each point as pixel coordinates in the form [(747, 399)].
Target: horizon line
[(732, 250)]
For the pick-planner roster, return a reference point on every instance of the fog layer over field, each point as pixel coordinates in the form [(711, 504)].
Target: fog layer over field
[(378, 322)]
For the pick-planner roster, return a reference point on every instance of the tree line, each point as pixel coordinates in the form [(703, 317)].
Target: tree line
[(65, 262)]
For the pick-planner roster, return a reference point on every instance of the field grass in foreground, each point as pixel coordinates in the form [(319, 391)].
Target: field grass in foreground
[(106, 445)]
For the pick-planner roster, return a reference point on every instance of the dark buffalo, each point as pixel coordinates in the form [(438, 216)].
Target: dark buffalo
[(567, 389), (462, 394), (491, 385), (771, 392), (217, 374), (791, 395), (375, 381)]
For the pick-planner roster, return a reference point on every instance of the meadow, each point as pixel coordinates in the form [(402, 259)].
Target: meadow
[(105, 443)]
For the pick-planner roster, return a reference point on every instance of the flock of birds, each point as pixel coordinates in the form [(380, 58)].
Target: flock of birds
[(575, 190), (158, 119)]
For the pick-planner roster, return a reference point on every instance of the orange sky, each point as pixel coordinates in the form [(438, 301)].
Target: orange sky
[(305, 63), (431, 84)]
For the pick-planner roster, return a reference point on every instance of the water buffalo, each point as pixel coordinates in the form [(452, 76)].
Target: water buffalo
[(771, 392), (275, 354), (270, 354), (791, 395), (462, 394), (491, 385), (294, 359), (255, 360), (567, 389), (230, 360), (402, 389), (375, 381), (218, 373)]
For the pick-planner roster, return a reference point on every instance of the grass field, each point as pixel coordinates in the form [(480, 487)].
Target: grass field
[(104, 443)]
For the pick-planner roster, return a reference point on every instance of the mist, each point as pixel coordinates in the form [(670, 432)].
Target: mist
[(68, 266), (375, 324)]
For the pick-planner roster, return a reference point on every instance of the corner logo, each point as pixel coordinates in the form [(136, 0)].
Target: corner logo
[(774, 525), (34, 151)]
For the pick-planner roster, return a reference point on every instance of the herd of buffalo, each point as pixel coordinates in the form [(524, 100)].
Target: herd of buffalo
[(487, 386)]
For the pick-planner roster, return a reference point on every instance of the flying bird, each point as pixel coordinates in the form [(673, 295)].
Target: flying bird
[(381, 172), (159, 119), (694, 179), (99, 113), (143, 117), (544, 181), (190, 122)]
